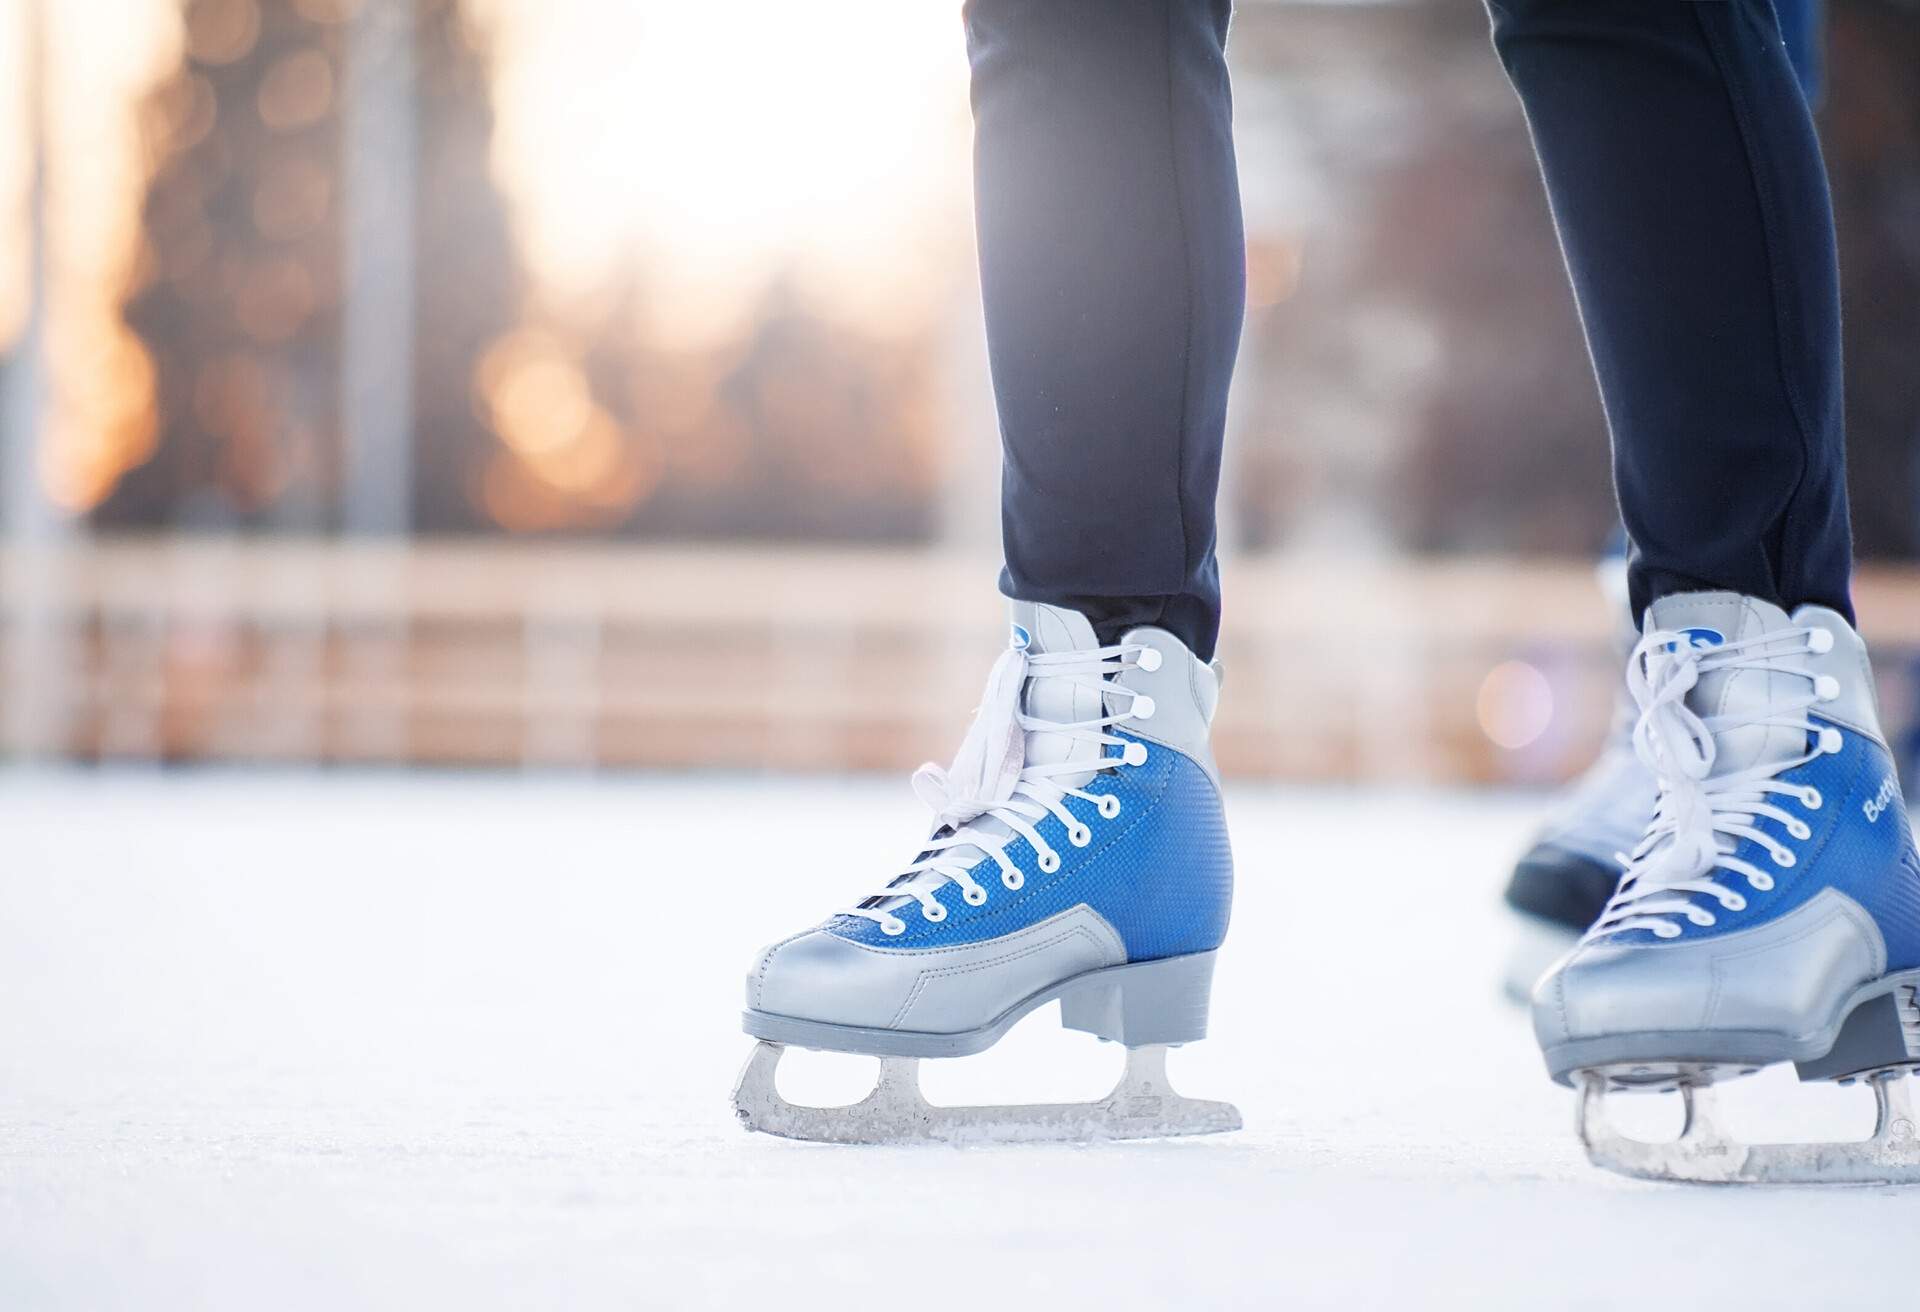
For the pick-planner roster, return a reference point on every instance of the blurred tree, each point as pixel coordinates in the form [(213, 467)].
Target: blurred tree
[(801, 427), (238, 294)]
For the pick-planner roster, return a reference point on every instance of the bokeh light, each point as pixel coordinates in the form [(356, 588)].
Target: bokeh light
[(1515, 705)]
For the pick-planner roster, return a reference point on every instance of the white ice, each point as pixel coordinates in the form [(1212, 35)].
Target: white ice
[(379, 1040)]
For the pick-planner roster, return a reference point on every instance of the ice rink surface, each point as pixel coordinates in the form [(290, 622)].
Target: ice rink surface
[(379, 1040)]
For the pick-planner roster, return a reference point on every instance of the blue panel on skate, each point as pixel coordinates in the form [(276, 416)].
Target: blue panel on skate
[(1160, 872), (1862, 845)]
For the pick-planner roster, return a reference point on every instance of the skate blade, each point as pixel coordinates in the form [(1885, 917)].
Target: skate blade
[(1142, 1106), (1705, 1154)]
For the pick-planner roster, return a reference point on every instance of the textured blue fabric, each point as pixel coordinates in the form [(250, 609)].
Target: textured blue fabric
[(1865, 851), (1160, 872)]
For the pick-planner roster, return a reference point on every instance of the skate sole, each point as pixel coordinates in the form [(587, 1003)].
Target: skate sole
[(1876, 1028), (1145, 1002)]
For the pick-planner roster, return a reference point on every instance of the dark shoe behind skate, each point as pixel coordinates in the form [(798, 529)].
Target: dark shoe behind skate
[(1560, 887)]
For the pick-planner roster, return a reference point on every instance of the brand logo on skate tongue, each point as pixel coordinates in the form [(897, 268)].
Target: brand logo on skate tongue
[(1021, 639), (1699, 639)]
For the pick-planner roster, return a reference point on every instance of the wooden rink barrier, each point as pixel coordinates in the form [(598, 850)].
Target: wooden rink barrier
[(791, 658)]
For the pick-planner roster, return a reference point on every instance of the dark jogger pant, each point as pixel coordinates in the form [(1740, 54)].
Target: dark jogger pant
[(1692, 204)]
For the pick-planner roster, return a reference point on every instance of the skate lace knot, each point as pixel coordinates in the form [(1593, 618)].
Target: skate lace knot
[(993, 794), (1701, 816)]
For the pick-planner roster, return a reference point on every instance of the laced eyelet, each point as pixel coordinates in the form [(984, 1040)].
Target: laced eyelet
[(1142, 708), (1800, 829), (1150, 659), (1699, 917), (1785, 860), (975, 896), (1820, 641), (1761, 882), (1666, 931), (1013, 879), (1136, 754), (893, 927), (1109, 805), (1079, 835), (1811, 799), (927, 910), (1733, 902), (1049, 862), (1827, 688), (1831, 741)]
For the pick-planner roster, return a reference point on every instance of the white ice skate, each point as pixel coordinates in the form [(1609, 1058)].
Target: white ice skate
[(1563, 882), (1771, 911), (1078, 853)]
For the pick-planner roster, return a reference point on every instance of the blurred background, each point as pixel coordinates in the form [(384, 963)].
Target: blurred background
[(571, 385)]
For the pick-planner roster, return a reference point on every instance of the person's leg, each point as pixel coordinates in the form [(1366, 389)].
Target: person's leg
[(1562, 882), (1770, 911), (1113, 268), (1111, 258), (1692, 204)]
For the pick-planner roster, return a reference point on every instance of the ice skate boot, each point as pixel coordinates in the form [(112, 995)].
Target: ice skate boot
[(1077, 853), (1562, 884), (1771, 911)]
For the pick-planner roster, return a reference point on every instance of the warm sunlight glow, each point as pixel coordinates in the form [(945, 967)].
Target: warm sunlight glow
[(102, 55), (13, 172), (714, 145)]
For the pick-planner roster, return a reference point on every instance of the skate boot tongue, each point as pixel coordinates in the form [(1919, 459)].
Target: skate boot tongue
[(1051, 630), (1068, 693), (1706, 620)]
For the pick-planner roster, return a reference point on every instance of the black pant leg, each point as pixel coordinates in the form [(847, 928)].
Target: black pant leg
[(1692, 204), (1112, 264)]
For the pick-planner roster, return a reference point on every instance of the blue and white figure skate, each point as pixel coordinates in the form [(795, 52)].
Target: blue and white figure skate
[(1077, 853), (1771, 911)]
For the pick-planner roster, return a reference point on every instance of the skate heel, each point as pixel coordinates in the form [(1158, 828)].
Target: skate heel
[(1881, 1033), (1150, 1002)]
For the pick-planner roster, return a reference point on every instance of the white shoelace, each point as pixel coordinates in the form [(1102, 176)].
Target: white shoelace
[(1699, 820), (991, 777)]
